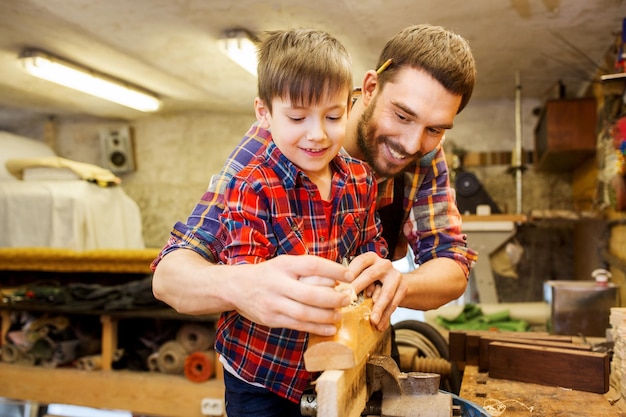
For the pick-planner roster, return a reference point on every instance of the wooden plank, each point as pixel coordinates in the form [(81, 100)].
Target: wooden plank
[(456, 342), (148, 393), (109, 341), (545, 401), (579, 370), (128, 261), (5, 325), (343, 393), (465, 345), (354, 341), (485, 342)]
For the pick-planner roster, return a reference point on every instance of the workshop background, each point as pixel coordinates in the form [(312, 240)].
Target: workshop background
[(565, 199)]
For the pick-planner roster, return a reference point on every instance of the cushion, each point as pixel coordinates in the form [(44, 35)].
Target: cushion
[(14, 146)]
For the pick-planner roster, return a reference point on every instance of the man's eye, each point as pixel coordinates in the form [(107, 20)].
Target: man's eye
[(401, 117), (437, 132)]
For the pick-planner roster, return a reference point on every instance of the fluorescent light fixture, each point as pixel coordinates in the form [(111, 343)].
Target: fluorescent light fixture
[(56, 70), (240, 46)]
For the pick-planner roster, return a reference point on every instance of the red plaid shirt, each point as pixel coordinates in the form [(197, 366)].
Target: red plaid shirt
[(273, 208)]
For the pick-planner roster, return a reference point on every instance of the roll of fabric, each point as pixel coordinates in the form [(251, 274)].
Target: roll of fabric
[(171, 359), (195, 337), (153, 362), (90, 363), (200, 366), (9, 353)]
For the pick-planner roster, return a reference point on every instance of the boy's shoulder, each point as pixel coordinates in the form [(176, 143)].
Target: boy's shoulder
[(354, 165)]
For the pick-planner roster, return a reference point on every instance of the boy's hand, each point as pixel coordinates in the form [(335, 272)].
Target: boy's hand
[(295, 292), (382, 282)]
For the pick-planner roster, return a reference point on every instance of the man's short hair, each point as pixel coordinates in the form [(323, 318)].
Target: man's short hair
[(443, 54)]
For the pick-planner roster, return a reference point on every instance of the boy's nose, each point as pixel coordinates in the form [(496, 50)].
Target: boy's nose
[(316, 130)]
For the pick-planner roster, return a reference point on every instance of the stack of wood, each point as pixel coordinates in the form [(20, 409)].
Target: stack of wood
[(533, 357)]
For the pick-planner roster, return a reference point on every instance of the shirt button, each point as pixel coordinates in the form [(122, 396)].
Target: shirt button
[(322, 239), (294, 227)]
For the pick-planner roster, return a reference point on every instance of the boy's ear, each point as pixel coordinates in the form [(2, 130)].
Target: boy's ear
[(262, 113), (368, 88)]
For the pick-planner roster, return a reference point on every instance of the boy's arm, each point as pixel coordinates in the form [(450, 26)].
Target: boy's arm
[(187, 278), (192, 285)]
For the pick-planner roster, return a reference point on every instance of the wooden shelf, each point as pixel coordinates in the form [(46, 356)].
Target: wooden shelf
[(147, 393), (118, 261)]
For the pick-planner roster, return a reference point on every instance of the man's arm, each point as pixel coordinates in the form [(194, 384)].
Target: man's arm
[(192, 285), (433, 230)]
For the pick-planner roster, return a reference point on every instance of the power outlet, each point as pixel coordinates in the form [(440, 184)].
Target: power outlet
[(212, 407)]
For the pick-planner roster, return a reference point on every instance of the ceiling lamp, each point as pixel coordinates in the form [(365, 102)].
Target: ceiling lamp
[(240, 46), (51, 68)]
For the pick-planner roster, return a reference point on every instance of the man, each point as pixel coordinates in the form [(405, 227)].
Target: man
[(397, 126)]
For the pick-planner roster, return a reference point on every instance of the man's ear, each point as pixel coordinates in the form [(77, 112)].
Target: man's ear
[(368, 89), (262, 113)]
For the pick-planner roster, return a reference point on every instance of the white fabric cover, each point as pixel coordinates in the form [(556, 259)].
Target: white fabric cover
[(58, 211), (68, 214)]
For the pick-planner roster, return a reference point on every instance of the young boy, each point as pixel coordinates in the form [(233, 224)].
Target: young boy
[(298, 196)]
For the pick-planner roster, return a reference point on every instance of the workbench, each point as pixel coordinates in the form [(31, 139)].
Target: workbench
[(525, 399)]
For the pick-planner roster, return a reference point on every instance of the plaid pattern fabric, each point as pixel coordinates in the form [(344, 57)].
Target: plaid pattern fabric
[(272, 208), (433, 222)]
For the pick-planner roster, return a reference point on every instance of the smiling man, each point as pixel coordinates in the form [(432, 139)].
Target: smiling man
[(397, 126)]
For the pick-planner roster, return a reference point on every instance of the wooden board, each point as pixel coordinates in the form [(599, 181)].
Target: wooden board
[(546, 401), (355, 340), (485, 342), (149, 393), (343, 393), (127, 261), (465, 345), (579, 370)]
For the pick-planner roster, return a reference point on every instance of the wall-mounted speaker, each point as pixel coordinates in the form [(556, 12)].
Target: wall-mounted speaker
[(116, 145)]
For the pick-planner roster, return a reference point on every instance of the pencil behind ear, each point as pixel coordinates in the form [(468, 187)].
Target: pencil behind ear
[(262, 113)]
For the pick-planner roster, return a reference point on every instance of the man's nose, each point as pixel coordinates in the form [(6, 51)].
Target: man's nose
[(412, 141)]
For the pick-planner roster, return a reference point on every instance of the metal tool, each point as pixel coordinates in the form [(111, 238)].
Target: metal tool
[(393, 393)]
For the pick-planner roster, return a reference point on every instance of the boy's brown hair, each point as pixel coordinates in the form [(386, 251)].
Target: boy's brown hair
[(303, 65)]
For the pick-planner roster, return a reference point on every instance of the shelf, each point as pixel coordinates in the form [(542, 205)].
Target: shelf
[(118, 261), (147, 393), (143, 393)]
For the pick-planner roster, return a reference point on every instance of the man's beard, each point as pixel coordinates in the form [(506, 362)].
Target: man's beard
[(368, 144)]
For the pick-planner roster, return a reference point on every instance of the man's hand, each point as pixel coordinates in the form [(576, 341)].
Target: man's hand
[(382, 282)]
